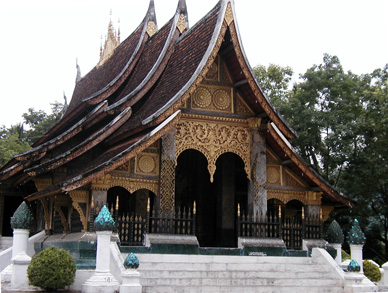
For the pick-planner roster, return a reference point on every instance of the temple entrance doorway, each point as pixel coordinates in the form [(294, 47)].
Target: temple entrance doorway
[(216, 202)]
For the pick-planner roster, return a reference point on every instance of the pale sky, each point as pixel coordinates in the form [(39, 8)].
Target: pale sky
[(42, 39)]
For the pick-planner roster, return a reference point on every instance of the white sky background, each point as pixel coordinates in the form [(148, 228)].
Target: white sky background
[(40, 40)]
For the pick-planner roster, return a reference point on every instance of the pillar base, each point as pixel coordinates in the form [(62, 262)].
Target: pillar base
[(103, 282), (131, 282), (19, 279)]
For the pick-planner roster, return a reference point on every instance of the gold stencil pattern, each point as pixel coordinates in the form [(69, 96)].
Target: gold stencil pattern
[(202, 98), (151, 28), (181, 23), (147, 164), (213, 98), (213, 140), (213, 72), (273, 175), (167, 174), (221, 99)]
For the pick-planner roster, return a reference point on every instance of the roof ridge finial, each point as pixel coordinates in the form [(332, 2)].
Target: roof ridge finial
[(151, 12), (78, 78), (182, 10)]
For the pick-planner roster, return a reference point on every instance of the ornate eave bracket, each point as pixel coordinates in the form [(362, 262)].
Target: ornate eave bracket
[(212, 140)]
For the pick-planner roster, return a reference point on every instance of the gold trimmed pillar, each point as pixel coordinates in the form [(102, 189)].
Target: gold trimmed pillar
[(80, 201), (257, 193), (40, 184), (167, 173)]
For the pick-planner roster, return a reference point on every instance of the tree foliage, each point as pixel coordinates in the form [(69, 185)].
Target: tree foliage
[(342, 122), (18, 138)]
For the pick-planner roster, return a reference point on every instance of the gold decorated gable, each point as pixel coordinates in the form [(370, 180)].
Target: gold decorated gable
[(213, 98), (214, 138)]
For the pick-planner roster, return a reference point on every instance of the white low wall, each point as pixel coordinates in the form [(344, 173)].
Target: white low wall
[(6, 255)]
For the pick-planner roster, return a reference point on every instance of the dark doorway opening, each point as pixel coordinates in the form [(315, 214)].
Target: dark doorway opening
[(216, 202)]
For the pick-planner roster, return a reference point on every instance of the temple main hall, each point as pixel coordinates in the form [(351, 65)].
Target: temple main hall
[(173, 133)]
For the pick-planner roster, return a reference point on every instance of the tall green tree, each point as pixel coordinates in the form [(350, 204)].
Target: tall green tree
[(275, 80), (12, 141), (18, 138)]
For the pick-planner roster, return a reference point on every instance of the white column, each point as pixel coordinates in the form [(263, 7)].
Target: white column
[(20, 260), (19, 244), (102, 280), (20, 241), (356, 254), (338, 247)]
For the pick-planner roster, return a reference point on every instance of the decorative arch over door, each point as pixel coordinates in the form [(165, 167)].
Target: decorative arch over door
[(213, 139)]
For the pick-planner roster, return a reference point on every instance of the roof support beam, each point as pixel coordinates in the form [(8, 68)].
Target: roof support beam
[(286, 162), (240, 83)]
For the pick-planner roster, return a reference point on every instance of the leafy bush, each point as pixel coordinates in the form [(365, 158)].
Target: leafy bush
[(372, 271), (52, 269)]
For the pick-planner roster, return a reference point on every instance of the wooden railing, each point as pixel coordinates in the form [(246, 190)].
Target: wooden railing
[(291, 230), (132, 228)]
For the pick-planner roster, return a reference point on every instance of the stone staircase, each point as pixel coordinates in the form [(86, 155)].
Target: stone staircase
[(204, 273)]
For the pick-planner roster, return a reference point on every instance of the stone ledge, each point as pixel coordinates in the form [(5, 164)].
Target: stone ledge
[(170, 239)]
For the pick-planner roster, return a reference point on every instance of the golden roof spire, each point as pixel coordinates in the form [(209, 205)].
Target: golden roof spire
[(112, 40)]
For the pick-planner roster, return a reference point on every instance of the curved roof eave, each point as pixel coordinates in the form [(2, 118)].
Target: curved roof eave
[(103, 168), (275, 115), (197, 74), (163, 54), (83, 147), (311, 173)]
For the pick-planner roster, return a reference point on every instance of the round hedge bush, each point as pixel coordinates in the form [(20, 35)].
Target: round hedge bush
[(371, 271), (52, 269)]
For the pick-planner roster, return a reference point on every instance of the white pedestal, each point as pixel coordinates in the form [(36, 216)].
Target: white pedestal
[(102, 280), (131, 282), (19, 279), (338, 247), (356, 254), (19, 244), (20, 241), (385, 275)]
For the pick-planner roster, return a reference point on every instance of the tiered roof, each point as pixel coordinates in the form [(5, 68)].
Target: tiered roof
[(130, 100)]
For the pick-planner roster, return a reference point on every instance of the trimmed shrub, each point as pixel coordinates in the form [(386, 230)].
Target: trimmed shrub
[(371, 271), (52, 269)]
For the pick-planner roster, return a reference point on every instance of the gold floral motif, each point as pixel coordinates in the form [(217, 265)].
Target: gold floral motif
[(221, 99), (147, 164), (151, 28), (286, 195), (182, 23), (167, 173), (202, 97), (213, 140), (291, 180), (213, 98), (229, 14), (212, 74), (242, 107), (273, 175)]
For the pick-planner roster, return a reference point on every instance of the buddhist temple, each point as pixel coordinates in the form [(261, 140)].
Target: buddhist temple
[(172, 132)]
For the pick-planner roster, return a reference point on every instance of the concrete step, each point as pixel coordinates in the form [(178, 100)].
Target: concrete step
[(200, 273), (246, 289)]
